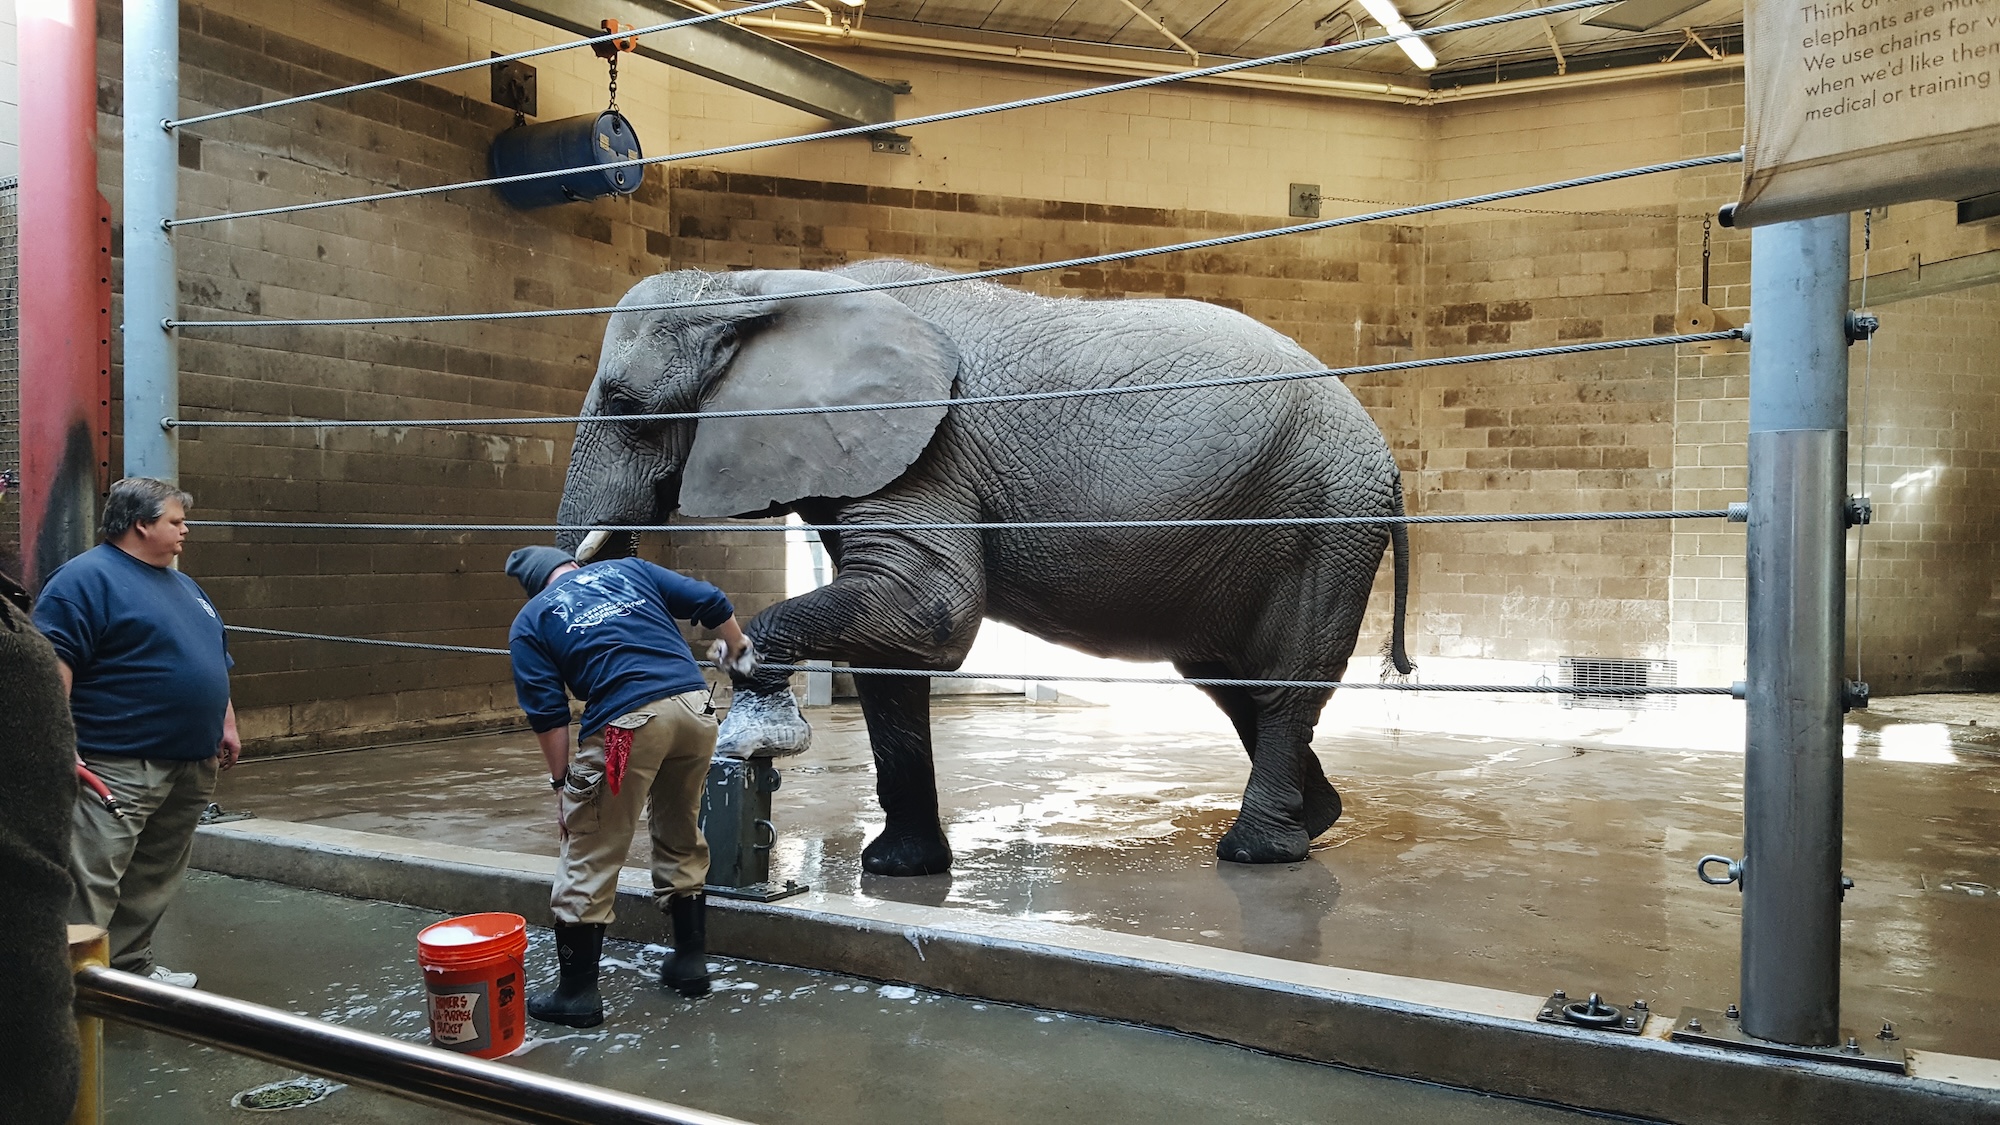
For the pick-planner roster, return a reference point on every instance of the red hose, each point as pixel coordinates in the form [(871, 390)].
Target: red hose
[(96, 785)]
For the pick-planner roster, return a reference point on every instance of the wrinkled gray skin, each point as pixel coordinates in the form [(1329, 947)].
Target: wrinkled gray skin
[(1250, 603)]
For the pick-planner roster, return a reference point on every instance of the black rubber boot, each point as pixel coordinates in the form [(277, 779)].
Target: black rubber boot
[(686, 972), (574, 1001)]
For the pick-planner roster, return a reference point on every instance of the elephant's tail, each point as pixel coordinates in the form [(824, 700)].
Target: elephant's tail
[(1399, 543)]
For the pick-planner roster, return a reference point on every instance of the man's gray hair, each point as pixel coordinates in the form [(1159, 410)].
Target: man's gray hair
[(137, 500)]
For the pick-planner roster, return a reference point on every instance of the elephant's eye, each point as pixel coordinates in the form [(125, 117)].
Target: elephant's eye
[(618, 400)]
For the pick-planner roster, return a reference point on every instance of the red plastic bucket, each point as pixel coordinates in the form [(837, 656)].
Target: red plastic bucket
[(474, 978)]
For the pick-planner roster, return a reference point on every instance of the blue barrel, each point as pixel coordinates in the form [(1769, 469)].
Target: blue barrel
[(573, 142)]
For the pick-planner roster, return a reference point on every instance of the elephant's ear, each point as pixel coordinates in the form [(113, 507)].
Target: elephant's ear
[(837, 350)]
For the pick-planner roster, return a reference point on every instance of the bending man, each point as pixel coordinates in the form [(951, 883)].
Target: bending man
[(143, 658), (607, 634)]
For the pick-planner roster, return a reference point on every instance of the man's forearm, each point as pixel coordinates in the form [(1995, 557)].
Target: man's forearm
[(231, 746), (555, 750)]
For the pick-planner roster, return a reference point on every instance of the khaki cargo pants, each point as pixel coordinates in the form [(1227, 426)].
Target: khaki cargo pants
[(128, 871), (672, 740)]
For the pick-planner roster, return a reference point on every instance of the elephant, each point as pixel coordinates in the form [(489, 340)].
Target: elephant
[(1272, 602)]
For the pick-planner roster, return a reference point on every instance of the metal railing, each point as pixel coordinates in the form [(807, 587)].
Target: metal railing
[(460, 1083)]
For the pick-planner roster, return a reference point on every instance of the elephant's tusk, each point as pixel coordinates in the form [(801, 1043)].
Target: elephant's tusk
[(591, 544)]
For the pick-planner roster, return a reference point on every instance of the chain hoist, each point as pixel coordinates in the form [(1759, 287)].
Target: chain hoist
[(609, 50)]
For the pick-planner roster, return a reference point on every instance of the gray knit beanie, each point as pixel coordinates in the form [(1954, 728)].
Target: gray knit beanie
[(531, 566)]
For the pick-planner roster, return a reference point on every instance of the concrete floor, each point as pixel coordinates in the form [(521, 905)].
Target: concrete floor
[(774, 1046), (1510, 845)]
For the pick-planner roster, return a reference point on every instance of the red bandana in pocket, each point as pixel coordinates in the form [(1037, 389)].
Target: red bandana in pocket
[(617, 753)]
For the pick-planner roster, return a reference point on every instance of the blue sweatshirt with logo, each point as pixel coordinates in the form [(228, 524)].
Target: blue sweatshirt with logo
[(146, 649), (607, 634)]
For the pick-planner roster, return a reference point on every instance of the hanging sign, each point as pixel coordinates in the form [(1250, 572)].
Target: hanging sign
[(1859, 103)]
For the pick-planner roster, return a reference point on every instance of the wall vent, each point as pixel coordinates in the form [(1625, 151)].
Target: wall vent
[(1613, 672)]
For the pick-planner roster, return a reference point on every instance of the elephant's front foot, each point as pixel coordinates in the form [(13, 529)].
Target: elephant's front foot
[(763, 725), (1322, 805), (1263, 843), (905, 852)]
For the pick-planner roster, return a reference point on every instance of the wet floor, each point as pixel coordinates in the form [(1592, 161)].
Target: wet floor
[(773, 1045), (1515, 846)]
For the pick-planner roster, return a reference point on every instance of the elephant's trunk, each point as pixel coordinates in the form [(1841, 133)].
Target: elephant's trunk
[(605, 485)]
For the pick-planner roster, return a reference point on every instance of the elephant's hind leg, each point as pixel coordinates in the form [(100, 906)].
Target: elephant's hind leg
[(1320, 801), (898, 712), (1288, 801), (1235, 702)]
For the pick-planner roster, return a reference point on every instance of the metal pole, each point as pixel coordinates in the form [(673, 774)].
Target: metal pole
[(407, 1070), (1792, 768), (61, 416), (89, 948), (152, 354)]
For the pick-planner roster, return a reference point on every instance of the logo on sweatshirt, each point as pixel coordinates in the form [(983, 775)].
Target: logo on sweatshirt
[(593, 597)]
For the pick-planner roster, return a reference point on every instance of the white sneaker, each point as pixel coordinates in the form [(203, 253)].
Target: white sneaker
[(167, 976)]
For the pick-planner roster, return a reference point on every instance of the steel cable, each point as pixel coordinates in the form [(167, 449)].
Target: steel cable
[(1034, 677), (477, 64), (1027, 525), (970, 400), (989, 274), (911, 122)]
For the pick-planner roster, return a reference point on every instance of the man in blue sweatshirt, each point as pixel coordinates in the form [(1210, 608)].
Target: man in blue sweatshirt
[(607, 634), (143, 659)]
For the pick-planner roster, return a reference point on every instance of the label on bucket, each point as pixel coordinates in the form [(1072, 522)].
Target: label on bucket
[(459, 1018)]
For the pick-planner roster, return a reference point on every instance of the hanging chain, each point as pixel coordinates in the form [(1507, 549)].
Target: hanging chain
[(1706, 224), (608, 50)]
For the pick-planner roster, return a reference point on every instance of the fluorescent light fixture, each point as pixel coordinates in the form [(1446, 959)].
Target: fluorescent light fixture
[(1641, 15), (1385, 13)]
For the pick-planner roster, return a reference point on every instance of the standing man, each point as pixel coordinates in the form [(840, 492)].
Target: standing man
[(147, 672), (607, 635)]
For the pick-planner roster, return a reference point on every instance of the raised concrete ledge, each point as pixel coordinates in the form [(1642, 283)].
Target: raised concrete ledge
[(1475, 1038)]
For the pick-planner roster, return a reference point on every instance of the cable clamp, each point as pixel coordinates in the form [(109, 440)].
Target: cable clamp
[(1854, 695), (1739, 689), (167, 424), (1860, 511), (1739, 512), (1743, 333), (1861, 326)]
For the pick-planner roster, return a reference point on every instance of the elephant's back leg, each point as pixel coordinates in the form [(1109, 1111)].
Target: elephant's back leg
[(1305, 628)]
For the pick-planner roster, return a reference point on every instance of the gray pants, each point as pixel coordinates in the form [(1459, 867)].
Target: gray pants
[(127, 872)]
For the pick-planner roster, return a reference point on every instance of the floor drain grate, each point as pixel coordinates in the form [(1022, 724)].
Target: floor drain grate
[(289, 1094)]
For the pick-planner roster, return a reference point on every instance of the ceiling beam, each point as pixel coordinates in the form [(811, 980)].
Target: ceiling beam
[(728, 54)]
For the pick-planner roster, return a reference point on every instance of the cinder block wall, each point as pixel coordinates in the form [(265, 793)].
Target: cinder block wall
[(1585, 433), (1919, 422), (1633, 430), (458, 252), (1920, 417)]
